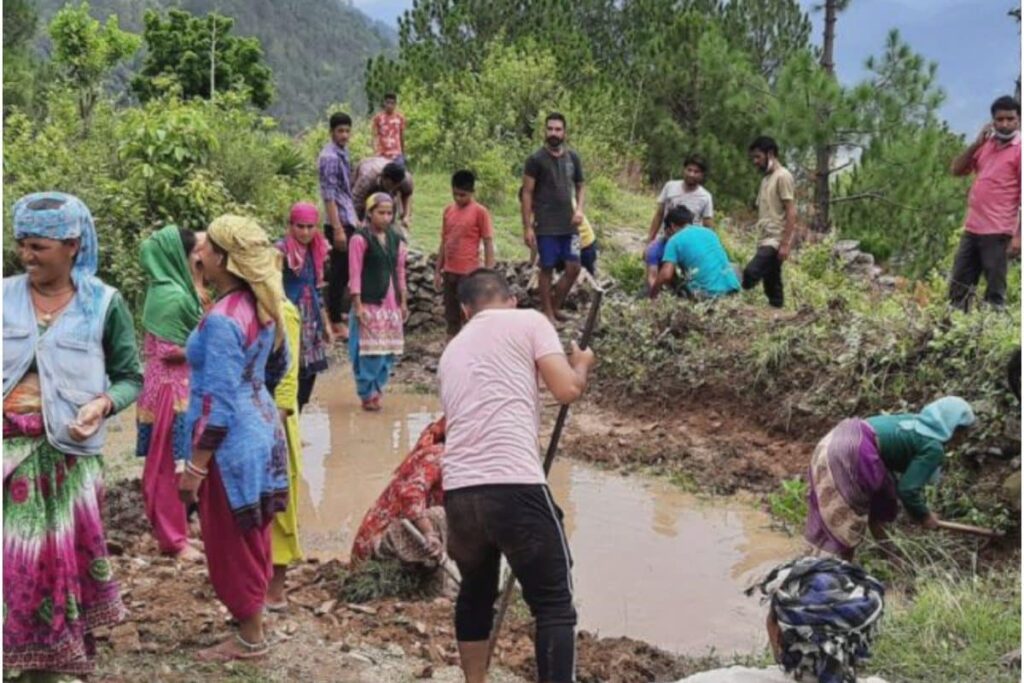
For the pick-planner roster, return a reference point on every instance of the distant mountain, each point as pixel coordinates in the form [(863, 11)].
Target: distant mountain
[(316, 48)]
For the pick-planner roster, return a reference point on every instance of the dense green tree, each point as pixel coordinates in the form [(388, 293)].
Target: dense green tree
[(85, 51), (437, 36), (20, 20), (199, 56), (701, 95), (771, 30)]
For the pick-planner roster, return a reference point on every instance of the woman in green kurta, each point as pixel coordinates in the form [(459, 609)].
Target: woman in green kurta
[(863, 469)]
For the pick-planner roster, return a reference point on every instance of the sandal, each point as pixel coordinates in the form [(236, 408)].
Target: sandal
[(249, 651)]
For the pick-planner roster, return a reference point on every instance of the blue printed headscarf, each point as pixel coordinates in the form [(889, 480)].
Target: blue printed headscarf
[(939, 419), (59, 216), (828, 613)]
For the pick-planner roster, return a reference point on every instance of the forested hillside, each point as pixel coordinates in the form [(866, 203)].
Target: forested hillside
[(317, 49)]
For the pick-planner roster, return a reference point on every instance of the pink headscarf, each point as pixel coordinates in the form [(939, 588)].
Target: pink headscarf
[(295, 251)]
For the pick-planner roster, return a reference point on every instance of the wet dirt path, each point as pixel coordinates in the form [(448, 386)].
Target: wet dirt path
[(651, 561)]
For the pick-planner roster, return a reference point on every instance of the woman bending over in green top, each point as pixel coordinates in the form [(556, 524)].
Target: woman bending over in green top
[(863, 469)]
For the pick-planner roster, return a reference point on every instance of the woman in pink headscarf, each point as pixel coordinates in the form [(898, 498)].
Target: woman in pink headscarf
[(305, 251)]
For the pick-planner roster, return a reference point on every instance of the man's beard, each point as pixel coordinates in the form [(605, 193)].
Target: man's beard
[(554, 141)]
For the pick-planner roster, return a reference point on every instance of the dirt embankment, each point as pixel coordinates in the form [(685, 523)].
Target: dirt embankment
[(707, 444), (173, 613)]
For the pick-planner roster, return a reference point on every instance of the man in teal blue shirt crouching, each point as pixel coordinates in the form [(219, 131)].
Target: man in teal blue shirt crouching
[(696, 255)]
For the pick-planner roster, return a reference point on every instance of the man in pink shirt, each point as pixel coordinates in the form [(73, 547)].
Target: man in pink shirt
[(992, 226), (496, 498)]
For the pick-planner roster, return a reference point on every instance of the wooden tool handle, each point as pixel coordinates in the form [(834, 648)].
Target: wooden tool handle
[(969, 529)]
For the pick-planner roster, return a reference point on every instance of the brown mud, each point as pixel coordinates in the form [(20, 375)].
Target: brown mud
[(173, 613), (709, 445), (619, 528)]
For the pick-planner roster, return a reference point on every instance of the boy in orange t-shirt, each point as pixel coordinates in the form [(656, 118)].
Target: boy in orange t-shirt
[(466, 223)]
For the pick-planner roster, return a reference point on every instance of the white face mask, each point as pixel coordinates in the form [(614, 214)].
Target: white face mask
[(1003, 137)]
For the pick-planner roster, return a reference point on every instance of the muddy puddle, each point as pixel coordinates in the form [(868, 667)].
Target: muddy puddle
[(651, 562)]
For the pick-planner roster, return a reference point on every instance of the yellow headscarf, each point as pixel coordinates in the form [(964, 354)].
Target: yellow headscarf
[(252, 258), (376, 199)]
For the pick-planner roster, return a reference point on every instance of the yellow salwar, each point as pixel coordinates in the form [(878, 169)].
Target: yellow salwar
[(284, 530)]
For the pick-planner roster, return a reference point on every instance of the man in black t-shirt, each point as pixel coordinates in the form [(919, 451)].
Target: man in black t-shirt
[(552, 209)]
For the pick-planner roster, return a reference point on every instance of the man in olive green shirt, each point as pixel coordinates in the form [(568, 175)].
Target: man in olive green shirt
[(776, 221)]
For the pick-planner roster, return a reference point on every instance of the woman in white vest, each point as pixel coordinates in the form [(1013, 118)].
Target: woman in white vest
[(70, 361)]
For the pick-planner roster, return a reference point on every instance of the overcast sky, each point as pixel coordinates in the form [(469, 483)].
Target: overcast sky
[(974, 42)]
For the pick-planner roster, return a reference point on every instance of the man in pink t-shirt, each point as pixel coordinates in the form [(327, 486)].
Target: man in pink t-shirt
[(496, 497), (992, 226)]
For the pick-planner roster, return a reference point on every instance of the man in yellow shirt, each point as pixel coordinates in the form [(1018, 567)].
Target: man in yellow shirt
[(776, 221), (588, 246)]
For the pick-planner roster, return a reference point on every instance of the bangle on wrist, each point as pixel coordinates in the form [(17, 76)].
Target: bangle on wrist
[(196, 470)]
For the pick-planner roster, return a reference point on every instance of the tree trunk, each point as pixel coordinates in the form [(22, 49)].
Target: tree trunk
[(822, 191), (213, 58)]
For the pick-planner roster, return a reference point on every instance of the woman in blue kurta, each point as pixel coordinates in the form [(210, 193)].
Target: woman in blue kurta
[(238, 469)]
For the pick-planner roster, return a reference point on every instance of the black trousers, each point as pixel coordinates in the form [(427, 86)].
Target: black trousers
[(522, 522), (978, 254), (766, 268), (337, 276), (306, 383)]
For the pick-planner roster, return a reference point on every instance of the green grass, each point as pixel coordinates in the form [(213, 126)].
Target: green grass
[(789, 503), (954, 629), (608, 207), (377, 579)]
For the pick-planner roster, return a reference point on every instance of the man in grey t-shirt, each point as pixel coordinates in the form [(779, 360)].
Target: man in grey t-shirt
[(688, 192), (552, 209)]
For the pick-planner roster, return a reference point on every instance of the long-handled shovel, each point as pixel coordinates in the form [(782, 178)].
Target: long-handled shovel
[(549, 457)]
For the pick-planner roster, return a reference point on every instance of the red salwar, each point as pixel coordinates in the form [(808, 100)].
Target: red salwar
[(238, 562)]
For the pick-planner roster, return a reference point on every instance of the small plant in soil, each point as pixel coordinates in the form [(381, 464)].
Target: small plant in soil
[(376, 579), (788, 505)]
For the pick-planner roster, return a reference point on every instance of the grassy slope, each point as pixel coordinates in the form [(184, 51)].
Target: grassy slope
[(952, 630)]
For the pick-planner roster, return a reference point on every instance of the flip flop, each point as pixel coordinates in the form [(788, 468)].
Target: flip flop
[(276, 606)]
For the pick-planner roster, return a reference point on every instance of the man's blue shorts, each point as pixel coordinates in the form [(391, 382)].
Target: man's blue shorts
[(655, 252), (555, 249)]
